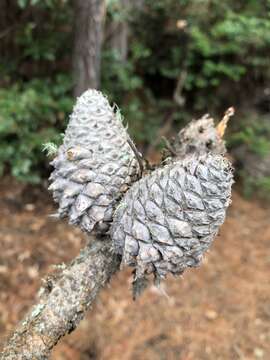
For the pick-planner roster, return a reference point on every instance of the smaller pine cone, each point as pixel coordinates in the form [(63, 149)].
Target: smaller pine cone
[(199, 137), (168, 219), (94, 166)]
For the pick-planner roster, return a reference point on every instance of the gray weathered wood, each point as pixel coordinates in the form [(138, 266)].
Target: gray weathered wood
[(62, 303)]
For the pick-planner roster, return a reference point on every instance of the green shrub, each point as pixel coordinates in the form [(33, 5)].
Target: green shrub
[(254, 134), (250, 146), (31, 115), (221, 46), (259, 187)]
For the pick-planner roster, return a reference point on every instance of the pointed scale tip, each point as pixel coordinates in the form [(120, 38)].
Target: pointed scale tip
[(222, 125)]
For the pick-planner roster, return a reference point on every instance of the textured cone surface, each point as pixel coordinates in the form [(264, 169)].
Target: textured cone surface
[(94, 166), (199, 137), (168, 219)]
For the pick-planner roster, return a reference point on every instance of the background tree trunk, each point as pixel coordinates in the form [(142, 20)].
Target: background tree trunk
[(88, 36), (5, 26), (120, 31)]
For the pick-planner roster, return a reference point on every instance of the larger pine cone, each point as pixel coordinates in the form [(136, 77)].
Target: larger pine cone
[(168, 219), (94, 166)]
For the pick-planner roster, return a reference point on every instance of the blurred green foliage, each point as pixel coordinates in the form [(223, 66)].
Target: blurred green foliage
[(250, 146), (219, 48), (31, 114), (254, 136), (252, 186)]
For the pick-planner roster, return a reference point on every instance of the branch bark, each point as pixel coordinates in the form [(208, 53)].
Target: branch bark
[(63, 301)]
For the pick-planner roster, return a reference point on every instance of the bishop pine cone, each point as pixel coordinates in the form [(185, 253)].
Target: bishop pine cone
[(168, 219), (95, 164)]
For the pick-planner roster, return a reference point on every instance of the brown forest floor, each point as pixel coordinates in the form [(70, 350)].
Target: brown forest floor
[(220, 311)]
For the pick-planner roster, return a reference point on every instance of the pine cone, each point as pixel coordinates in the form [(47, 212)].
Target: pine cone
[(168, 219), (94, 166), (199, 137)]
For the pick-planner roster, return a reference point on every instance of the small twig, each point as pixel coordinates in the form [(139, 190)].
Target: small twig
[(137, 155), (177, 96), (238, 352)]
